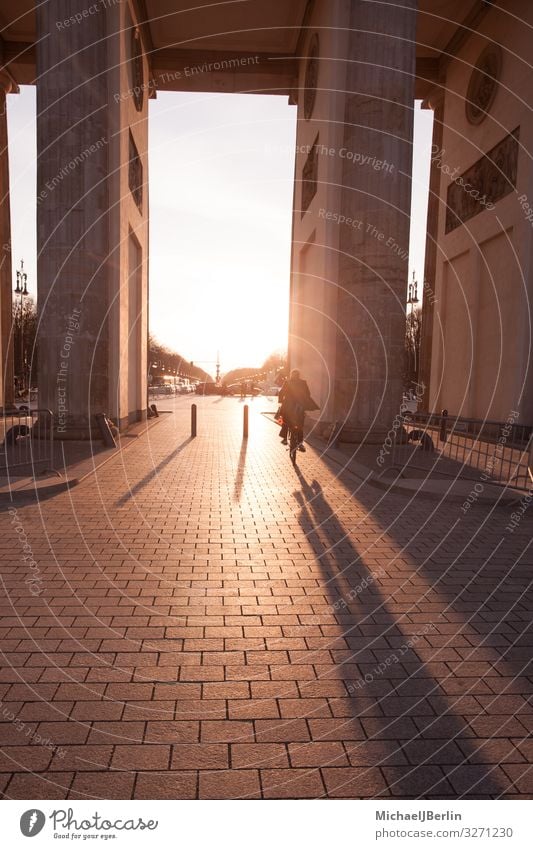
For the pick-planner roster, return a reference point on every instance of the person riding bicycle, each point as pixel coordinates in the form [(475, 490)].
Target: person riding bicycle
[(295, 398)]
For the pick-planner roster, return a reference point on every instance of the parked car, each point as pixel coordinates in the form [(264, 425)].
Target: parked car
[(208, 389)]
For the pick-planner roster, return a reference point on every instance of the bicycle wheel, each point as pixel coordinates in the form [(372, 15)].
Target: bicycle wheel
[(293, 445)]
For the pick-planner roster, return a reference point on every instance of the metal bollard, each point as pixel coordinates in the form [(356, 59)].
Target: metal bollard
[(245, 422), (443, 422), (193, 420)]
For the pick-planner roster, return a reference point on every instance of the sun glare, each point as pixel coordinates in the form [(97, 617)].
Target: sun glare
[(221, 183)]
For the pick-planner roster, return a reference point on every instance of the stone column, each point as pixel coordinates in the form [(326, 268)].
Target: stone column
[(6, 282), (72, 213), (435, 102), (92, 211), (376, 190)]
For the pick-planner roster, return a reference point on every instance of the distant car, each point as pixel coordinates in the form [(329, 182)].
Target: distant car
[(207, 389), (235, 389), (272, 390)]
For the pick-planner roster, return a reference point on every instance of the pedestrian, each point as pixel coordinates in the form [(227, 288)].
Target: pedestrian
[(295, 399)]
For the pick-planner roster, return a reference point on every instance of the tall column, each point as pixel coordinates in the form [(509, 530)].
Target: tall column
[(72, 214), (435, 102), (6, 284), (91, 201), (376, 191)]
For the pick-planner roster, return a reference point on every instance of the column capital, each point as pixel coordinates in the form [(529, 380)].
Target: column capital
[(435, 98), (7, 83)]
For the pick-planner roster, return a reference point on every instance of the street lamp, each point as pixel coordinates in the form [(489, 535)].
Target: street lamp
[(412, 293), (22, 290)]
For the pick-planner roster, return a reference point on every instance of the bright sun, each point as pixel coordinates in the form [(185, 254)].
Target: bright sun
[(220, 225)]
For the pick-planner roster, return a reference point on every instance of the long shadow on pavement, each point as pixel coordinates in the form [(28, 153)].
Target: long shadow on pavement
[(241, 468), (418, 732), (132, 492), (479, 573)]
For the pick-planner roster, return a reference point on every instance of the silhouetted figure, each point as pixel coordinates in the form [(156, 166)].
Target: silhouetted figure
[(295, 399)]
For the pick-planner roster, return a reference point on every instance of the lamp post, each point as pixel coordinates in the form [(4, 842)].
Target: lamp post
[(22, 290)]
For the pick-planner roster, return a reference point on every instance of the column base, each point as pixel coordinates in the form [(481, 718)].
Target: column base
[(80, 428), (352, 434)]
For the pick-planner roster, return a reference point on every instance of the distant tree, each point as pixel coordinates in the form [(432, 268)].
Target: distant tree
[(413, 336), (162, 361), (237, 374), (273, 363), (24, 337)]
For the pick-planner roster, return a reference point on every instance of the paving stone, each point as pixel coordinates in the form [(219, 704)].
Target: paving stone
[(292, 784), (141, 757), (115, 732), (172, 732), (230, 784), (227, 732), (475, 779), (317, 754), (253, 709), (258, 755), (200, 756), (101, 785), (26, 785), (281, 730), (192, 641), (375, 752), (416, 781), (166, 785), (80, 758), (522, 777), (354, 782), (18, 758)]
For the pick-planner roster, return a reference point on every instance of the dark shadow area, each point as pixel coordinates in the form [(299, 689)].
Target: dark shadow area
[(472, 562), (151, 475), (428, 749), (241, 468)]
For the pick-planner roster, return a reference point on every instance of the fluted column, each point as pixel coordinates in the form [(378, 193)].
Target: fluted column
[(6, 285), (72, 214), (373, 258)]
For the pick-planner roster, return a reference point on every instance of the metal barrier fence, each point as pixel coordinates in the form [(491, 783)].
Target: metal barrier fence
[(502, 451), (27, 440)]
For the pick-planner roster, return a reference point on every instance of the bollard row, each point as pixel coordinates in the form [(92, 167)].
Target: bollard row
[(194, 415)]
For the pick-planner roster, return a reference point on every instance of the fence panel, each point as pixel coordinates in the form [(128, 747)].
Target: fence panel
[(27, 441), (501, 451)]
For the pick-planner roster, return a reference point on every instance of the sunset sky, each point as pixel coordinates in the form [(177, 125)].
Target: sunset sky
[(221, 176)]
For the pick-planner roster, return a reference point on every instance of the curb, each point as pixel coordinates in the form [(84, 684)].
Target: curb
[(34, 491), (498, 496)]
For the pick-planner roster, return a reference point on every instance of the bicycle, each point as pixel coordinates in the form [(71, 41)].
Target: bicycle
[(292, 436)]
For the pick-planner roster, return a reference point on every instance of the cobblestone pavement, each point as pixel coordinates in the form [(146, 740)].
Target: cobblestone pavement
[(199, 619)]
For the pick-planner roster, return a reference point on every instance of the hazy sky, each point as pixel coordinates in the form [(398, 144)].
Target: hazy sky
[(221, 176)]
